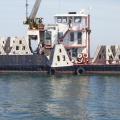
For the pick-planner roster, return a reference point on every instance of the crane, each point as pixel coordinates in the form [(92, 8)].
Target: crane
[(32, 21), (35, 9)]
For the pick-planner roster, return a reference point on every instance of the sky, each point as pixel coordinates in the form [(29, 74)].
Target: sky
[(105, 17)]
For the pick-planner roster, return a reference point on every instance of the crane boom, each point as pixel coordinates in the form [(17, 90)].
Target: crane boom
[(35, 9), (32, 21)]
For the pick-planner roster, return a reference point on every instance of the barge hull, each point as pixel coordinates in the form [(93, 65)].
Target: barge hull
[(41, 63), (87, 69), (23, 63)]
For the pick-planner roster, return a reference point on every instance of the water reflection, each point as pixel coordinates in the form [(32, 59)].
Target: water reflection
[(103, 97), (69, 95), (41, 97), (23, 97)]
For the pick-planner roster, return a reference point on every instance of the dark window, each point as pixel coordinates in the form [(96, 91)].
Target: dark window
[(72, 36), (58, 58), (60, 50), (33, 37), (77, 19), (59, 19), (79, 36), (48, 35), (74, 52), (17, 47), (60, 35), (64, 20), (63, 57), (23, 48), (20, 42)]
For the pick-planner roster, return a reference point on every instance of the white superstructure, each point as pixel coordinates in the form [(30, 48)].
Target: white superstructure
[(73, 31)]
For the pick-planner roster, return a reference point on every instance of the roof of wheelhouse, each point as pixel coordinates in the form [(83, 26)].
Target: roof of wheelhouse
[(82, 13)]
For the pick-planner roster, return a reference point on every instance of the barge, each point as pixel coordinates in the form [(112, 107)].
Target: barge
[(62, 47)]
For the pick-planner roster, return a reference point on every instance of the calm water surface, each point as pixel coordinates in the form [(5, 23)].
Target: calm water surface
[(40, 97)]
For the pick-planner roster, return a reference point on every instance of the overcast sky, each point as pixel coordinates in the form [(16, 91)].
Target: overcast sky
[(105, 17)]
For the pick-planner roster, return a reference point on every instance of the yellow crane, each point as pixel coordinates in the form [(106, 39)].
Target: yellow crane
[(31, 20)]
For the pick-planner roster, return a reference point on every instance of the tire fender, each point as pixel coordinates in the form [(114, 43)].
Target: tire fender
[(80, 70)]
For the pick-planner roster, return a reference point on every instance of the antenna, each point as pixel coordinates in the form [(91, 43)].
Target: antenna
[(26, 9)]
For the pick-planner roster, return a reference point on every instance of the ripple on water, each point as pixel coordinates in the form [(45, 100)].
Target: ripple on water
[(40, 97)]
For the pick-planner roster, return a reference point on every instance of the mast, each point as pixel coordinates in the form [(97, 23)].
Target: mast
[(26, 9), (89, 31)]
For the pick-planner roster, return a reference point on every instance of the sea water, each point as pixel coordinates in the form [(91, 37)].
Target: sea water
[(35, 96)]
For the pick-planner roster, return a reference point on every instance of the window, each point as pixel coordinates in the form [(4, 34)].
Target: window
[(60, 35), (77, 19), (60, 50), (58, 58), (59, 19), (17, 47), (74, 52), (79, 37), (63, 57), (51, 27), (33, 37), (48, 35), (20, 42), (72, 36), (23, 47), (64, 20)]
